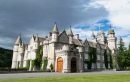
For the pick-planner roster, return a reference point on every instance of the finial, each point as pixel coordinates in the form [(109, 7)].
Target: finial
[(55, 22), (110, 25)]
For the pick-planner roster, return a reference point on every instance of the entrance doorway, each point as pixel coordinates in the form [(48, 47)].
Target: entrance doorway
[(59, 64), (73, 65)]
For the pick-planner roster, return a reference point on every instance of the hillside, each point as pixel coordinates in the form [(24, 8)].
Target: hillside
[(5, 57)]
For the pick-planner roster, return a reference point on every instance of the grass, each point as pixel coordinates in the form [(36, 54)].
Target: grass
[(87, 78)]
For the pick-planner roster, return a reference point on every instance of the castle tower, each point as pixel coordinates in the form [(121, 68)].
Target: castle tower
[(70, 34), (102, 37), (111, 40), (21, 55), (55, 33), (15, 52), (93, 37), (36, 43)]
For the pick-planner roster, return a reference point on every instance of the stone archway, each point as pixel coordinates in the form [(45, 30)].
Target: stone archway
[(73, 65), (59, 64)]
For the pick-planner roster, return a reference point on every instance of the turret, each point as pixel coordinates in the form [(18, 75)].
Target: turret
[(93, 37), (70, 34), (36, 42), (102, 37), (21, 55), (111, 40), (15, 52), (55, 33)]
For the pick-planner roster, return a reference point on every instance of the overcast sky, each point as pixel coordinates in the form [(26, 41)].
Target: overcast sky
[(30, 17)]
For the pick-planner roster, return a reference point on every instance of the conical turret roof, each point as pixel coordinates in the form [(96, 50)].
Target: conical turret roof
[(36, 39), (55, 29), (70, 33), (19, 40), (93, 34)]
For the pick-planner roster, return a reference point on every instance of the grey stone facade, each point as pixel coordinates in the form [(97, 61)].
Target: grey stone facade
[(64, 51)]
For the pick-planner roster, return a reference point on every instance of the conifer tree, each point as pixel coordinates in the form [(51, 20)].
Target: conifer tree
[(121, 44)]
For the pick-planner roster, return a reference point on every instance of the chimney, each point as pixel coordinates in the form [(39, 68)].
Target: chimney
[(77, 36)]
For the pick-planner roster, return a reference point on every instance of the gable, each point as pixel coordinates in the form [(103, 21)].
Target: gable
[(86, 43), (63, 37)]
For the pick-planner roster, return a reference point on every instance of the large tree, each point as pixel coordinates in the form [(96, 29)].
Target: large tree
[(124, 55), (121, 44), (5, 57)]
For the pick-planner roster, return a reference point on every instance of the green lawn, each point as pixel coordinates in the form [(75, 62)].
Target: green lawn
[(87, 78)]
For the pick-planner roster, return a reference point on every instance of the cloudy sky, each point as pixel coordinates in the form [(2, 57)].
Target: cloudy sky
[(38, 16)]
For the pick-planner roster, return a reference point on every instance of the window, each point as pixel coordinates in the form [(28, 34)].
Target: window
[(108, 65), (92, 65), (108, 58), (86, 48), (98, 65), (103, 65), (86, 56), (85, 66), (98, 57), (102, 57)]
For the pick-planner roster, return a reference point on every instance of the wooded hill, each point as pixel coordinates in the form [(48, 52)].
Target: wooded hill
[(5, 57)]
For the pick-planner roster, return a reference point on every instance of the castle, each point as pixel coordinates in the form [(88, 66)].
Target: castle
[(66, 52)]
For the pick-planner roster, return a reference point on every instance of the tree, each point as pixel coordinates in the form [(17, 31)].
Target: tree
[(38, 60), (129, 47), (5, 57), (51, 67), (121, 44), (124, 55)]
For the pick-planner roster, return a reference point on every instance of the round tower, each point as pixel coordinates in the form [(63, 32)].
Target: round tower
[(15, 52), (111, 40), (102, 37), (55, 33)]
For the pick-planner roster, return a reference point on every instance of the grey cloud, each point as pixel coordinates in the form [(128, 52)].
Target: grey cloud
[(38, 16)]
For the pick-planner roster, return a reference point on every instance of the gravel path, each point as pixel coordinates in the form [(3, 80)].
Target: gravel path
[(46, 74)]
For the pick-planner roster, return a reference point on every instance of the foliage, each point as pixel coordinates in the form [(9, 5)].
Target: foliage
[(106, 59), (121, 44), (45, 61), (129, 47), (92, 57), (38, 60), (28, 64), (18, 64), (112, 61), (123, 58), (5, 57), (14, 69), (33, 63), (51, 66)]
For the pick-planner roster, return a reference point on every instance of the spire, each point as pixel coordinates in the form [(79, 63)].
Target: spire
[(70, 33), (93, 35), (19, 40), (22, 45), (102, 31), (36, 39), (55, 29)]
